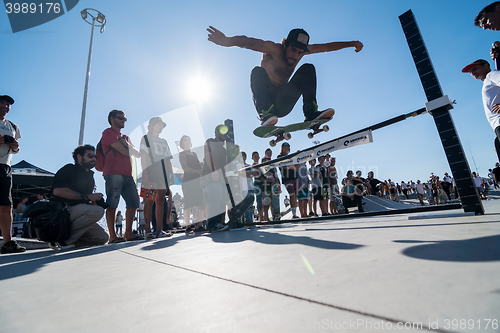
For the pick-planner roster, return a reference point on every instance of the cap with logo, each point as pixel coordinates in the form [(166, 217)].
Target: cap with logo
[(299, 38)]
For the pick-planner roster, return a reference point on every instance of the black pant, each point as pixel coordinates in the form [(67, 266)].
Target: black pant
[(239, 210), (446, 189), (266, 94), (347, 202), (497, 142)]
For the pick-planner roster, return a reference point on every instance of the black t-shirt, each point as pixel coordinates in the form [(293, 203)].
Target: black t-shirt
[(76, 178), (373, 183), (324, 173), (217, 158), (496, 172), (287, 174)]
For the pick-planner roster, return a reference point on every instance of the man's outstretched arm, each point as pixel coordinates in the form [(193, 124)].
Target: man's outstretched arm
[(259, 45), (334, 46)]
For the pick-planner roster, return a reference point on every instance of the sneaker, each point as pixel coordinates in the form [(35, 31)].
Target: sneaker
[(267, 118), (150, 235), (295, 217), (311, 214), (317, 115), (163, 234), (56, 246), (12, 247), (189, 231), (220, 227), (326, 214), (199, 229)]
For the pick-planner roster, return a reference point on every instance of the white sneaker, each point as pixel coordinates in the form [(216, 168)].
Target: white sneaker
[(150, 235), (163, 234)]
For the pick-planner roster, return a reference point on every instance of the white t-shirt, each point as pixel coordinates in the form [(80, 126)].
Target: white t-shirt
[(491, 96), (6, 128), (315, 182), (249, 179), (479, 181), (420, 188)]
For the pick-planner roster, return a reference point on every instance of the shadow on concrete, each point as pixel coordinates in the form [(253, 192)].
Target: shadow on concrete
[(15, 265), (466, 250), (272, 238), (256, 235), (392, 226)]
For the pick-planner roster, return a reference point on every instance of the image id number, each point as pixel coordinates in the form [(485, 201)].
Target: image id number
[(471, 324), (32, 8)]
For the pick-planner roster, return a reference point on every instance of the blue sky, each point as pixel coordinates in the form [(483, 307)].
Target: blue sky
[(151, 50)]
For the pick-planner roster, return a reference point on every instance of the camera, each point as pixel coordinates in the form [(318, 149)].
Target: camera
[(102, 203), (8, 139)]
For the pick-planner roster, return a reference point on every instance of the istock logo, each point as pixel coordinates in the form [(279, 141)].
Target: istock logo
[(26, 15)]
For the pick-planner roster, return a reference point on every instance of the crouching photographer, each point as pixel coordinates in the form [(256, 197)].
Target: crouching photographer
[(74, 185)]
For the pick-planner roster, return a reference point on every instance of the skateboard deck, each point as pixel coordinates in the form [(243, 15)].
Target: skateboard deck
[(283, 132)]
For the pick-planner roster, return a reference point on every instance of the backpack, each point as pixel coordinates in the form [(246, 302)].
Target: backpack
[(49, 220), (100, 156)]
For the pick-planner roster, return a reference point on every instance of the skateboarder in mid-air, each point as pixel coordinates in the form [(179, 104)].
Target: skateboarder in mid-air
[(274, 92)]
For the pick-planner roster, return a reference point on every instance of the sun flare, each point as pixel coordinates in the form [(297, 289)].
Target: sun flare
[(199, 89)]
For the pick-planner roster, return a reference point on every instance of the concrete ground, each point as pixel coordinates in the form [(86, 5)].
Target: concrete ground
[(360, 274)]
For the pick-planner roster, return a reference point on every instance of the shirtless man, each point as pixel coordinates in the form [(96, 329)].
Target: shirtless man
[(274, 92)]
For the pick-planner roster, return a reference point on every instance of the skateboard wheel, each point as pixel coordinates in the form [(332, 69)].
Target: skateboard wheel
[(272, 143), (326, 128), (287, 136), (310, 135)]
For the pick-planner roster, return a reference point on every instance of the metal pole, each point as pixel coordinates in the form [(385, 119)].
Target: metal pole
[(84, 107)]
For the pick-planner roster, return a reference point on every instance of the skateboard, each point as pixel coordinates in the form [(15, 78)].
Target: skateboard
[(283, 132)]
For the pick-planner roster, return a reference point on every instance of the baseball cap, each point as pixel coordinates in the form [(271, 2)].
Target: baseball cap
[(477, 62), (299, 38), (155, 120), (7, 98), (285, 144)]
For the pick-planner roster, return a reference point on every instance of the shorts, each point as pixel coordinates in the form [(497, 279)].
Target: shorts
[(292, 186), (266, 194), (480, 189), (117, 185), (317, 193), (156, 175), (303, 194), (5, 185)]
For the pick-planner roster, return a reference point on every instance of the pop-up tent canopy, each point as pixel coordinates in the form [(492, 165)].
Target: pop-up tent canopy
[(30, 180)]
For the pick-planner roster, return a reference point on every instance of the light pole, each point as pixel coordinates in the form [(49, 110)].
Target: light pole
[(96, 15)]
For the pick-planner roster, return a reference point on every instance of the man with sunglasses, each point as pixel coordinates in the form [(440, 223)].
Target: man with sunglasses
[(117, 173), (74, 184)]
